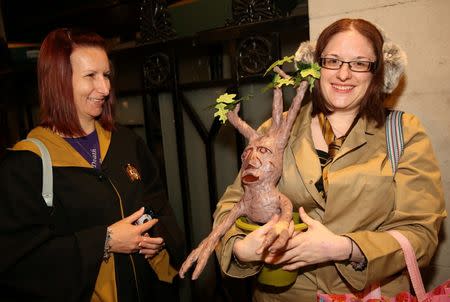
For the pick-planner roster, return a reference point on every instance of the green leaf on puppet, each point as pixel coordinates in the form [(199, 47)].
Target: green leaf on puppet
[(286, 59)]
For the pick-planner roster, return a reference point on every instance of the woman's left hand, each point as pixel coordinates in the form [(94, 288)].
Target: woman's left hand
[(318, 244), (151, 246)]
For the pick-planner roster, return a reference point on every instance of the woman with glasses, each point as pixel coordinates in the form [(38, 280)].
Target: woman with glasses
[(337, 173)]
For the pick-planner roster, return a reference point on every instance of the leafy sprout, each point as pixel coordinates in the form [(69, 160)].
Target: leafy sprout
[(286, 59), (308, 72), (285, 82), (225, 103), (305, 72)]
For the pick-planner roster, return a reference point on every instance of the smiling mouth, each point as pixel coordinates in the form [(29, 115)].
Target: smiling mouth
[(96, 100), (342, 88)]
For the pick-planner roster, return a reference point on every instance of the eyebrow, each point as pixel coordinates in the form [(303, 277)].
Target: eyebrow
[(357, 58), (95, 71)]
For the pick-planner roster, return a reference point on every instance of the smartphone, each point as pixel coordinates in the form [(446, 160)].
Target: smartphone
[(147, 216)]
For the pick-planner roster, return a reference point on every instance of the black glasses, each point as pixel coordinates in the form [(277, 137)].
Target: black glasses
[(357, 66)]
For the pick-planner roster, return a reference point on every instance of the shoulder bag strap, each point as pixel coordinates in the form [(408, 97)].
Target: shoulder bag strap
[(411, 264), (47, 172), (394, 137)]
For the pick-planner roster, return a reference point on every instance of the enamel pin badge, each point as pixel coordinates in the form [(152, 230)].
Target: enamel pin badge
[(132, 172)]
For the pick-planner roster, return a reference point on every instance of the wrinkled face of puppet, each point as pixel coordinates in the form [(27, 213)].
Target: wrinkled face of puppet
[(260, 162)]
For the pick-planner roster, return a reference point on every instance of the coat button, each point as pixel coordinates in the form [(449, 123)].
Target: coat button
[(311, 182)]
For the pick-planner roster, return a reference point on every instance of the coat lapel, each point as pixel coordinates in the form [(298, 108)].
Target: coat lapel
[(355, 139), (306, 159)]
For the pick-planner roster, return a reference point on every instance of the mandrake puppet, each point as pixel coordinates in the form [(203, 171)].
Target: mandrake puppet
[(262, 162)]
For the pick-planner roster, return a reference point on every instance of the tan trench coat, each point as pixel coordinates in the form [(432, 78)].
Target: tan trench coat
[(364, 200)]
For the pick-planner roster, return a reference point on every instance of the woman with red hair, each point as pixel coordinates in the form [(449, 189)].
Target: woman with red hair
[(88, 246), (338, 173)]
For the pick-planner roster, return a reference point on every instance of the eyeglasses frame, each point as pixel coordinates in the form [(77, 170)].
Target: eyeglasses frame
[(372, 65)]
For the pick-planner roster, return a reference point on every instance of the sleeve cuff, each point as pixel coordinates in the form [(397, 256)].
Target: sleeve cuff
[(227, 262), (232, 268)]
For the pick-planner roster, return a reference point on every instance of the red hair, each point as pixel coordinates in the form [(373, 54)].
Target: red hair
[(372, 102), (54, 71)]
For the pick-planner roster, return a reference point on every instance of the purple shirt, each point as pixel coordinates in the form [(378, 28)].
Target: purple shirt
[(88, 147)]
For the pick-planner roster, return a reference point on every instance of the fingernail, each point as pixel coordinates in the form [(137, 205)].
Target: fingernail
[(140, 251), (146, 256)]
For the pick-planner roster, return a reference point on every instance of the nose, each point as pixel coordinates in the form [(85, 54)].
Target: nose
[(103, 85), (344, 73), (253, 160)]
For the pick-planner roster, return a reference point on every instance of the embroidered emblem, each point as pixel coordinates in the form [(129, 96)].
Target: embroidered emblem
[(132, 172)]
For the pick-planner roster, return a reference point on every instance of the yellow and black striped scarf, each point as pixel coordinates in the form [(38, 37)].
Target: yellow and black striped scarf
[(334, 145)]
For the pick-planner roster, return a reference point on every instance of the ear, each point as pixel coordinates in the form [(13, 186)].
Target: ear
[(394, 65)]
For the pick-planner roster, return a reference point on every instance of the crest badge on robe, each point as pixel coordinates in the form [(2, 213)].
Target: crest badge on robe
[(132, 172)]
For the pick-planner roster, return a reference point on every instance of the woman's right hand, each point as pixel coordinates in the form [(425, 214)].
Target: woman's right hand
[(247, 249), (125, 236)]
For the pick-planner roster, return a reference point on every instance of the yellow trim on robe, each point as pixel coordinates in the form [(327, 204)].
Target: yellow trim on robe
[(105, 286), (61, 152), (161, 265)]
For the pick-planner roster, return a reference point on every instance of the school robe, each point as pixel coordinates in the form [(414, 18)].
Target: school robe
[(55, 254)]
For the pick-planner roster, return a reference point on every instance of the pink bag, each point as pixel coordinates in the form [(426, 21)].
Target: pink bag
[(439, 294)]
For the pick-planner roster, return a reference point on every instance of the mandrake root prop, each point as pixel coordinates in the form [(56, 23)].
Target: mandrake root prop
[(262, 162)]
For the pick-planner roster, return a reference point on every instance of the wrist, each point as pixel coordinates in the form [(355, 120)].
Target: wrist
[(344, 249), (240, 260), (237, 249), (355, 257), (107, 247), (350, 254)]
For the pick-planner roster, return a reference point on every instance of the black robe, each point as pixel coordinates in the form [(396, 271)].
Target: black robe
[(55, 254)]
